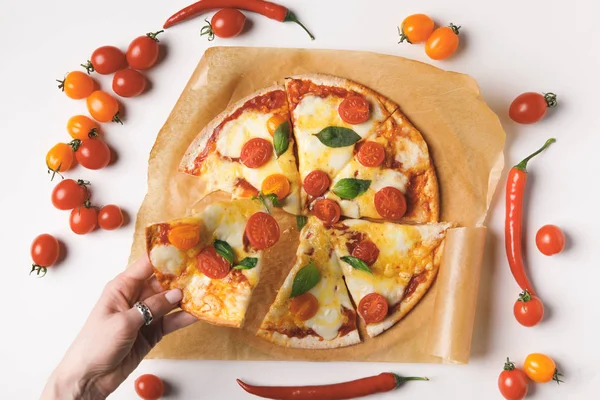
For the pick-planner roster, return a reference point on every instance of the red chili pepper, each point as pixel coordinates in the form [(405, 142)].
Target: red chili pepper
[(266, 8), (515, 190), (347, 390)]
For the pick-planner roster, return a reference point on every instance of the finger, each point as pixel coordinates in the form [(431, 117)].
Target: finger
[(159, 304), (176, 321), (151, 287), (140, 269)]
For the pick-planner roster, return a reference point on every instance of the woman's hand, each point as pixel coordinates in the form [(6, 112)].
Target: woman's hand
[(114, 340)]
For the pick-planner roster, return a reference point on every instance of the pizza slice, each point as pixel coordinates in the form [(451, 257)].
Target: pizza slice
[(390, 176), (248, 149), (312, 309), (388, 267), (214, 257), (329, 116)]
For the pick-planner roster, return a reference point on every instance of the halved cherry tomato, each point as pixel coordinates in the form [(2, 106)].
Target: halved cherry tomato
[(416, 28), (83, 219), (366, 251), (277, 184), (316, 183), (245, 189), (185, 236), (354, 110), (60, 158), (226, 23), (512, 382), (212, 264), (262, 230), (274, 122), (103, 107), (531, 107), (45, 250), (371, 154), (142, 52), (93, 153), (550, 240), (128, 83), (541, 369), (77, 85), (327, 211), (110, 217), (390, 203), (373, 308), (81, 127), (69, 194), (443, 42), (149, 387), (256, 152), (304, 307), (528, 309), (106, 60)]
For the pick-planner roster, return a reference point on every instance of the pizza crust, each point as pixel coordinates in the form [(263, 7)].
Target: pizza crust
[(310, 342)]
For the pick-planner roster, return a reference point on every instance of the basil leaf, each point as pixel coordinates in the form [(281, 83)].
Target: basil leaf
[(247, 263), (267, 200), (224, 250), (338, 136), (301, 220), (357, 263), (305, 279), (349, 188), (281, 138)]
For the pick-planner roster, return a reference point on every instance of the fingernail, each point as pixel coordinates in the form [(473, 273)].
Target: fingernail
[(174, 296)]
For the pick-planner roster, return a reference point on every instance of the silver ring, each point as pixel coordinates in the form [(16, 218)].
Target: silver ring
[(145, 311)]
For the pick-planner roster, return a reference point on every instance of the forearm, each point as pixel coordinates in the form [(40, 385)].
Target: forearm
[(70, 384)]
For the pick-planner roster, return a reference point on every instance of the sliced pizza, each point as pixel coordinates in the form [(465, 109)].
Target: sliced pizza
[(312, 309), (388, 267), (214, 257), (390, 176), (248, 149)]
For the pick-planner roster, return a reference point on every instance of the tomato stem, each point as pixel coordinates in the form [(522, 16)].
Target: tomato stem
[(525, 296), (61, 84), (403, 37), (38, 270), (208, 30), (93, 133), (454, 28), (401, 379), (116, 118), (75, 143), (54, 172), (88, 67), (291, 17), (509, 365), (522, 166), (557, 376), (154, 35), (550, 99)]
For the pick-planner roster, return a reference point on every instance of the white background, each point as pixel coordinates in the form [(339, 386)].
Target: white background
[(509, 47)]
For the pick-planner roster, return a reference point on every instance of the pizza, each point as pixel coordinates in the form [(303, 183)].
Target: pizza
[(312, 309), (388, 267), (214, 257)]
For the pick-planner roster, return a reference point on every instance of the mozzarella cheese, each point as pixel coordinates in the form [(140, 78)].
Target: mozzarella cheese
[(235, 133), (410, 154), (167, 259)]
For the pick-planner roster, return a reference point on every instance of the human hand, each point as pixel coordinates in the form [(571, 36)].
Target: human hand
[(114, 340)]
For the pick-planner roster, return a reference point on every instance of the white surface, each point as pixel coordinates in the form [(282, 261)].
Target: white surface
[(511, 47)]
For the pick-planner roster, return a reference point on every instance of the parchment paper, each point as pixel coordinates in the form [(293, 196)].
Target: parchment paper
[(465, 140)]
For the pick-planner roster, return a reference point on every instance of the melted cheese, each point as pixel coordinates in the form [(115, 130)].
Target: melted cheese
[(220, 174), (235, 133), (167, 259), (410, 154)]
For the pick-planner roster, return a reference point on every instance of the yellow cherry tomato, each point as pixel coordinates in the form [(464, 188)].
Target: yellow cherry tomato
[(540, 368), (77, 85), (81, 127), (443, 42), (60, 158), (415, 28), (274, 122)]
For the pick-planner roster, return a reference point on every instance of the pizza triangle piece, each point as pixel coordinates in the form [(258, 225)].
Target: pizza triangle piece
[(248, 149), (388, 267), (214, 257), (329, 115), (312, 309)]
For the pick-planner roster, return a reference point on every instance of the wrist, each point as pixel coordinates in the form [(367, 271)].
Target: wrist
[(66, 383)]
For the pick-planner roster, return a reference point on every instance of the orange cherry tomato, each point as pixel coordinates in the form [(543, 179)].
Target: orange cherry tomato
[(274, 122), (373, 308), (366, 251), (81, 127), (110, 217), (316, 183), (390, 203), (185, 236), (103, 107), (371, 154), (128, 83), (550, 240), (277, 184), (528, 309), (443, 42), (354, 110), (327, 211), (83, 219), (77, 85), (262, 230), (149, 387), (60, 158), (415, 28), (531, 107), (541, 369), (512, 382), (212, 264), (256, 152), (304, 307)]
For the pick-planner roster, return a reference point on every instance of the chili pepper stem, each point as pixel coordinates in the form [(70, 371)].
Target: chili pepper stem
[(290, 16), (401, 379), (522, 166)]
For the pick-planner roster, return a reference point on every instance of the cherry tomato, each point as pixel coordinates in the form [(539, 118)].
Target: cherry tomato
[(184, 236), (128, 83), (110, 217), (81, 127), (262, 230), (45, 250), (103, 107), (371, 154), (277, 184), (416, 28), (106, 60), (256, 152), (212, 264), (530, 107), (550, 240), (274, 122), (541, 369), (327, 211), (304, 307), (316, 183), (68, 194), (528, 309), (354, 110), (366, 251), (93, 153), (373, 308), (226, 23), (149, 387), (83, 219), (60, 158), (390, 203), (142, 52), (77, 85), (512, 382), (443, 42)]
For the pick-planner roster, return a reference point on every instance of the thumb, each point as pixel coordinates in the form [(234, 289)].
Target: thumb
[(159, 304)]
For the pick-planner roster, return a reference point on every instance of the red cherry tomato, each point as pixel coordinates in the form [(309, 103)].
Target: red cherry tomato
[(528, 309), (262, 230), (371, 154), (373, 308), (93, 153), (106, 60), (142, 52), (512, 382), (128, 83), (83, 219), (68, 194), (530, 107), (110, 217), (390, 203), (45, 250), (256, 152), (327, 211), (149, 387), (354, 110), (366, 251), (212, 264), (226, 23), (550, 240)]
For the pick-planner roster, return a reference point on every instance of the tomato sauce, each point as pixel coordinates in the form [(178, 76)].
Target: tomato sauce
[(354, 239), (414, 282), (298, 88)]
